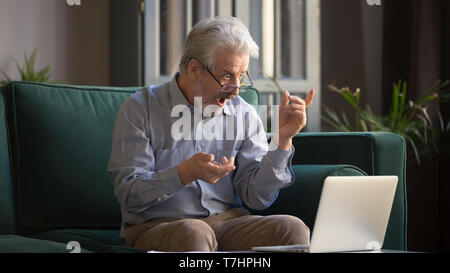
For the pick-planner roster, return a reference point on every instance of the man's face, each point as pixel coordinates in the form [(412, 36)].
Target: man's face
[(228, 68)]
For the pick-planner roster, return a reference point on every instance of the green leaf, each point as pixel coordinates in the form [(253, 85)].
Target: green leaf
[(395, 99), (419, 135), (346, 122), (334, 120), (29, 64), (364, 127), (27, 71), (402, 99), (333, 124), (350, 98), (357, 96), (5, 76), (43, 76), (426, 98), (441, 121), (413, 146), (408, 118), (21, 71)]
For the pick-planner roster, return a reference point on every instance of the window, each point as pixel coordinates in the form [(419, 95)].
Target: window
[(288, 33)]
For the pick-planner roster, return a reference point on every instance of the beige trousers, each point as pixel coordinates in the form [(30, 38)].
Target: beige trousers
[(232, 230)]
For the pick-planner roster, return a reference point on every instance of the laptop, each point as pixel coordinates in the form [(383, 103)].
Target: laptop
[(353, 215)]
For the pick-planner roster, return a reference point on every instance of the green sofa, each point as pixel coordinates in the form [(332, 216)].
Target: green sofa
[(54, 188)]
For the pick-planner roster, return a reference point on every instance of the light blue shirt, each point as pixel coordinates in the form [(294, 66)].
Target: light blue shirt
[(145, 156)]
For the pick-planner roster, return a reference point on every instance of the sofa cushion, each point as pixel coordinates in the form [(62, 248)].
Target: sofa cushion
[(20, 244), (105, 241), (6, 194), (251, 96), (61, 138), (307, 190)]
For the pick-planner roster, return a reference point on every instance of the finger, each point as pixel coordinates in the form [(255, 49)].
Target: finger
[(231, 164), (224, 160), (221, 169), (296, 100), (285, 99), (296, 112), (310, 97), (205, 157), (231, 160), (213, 167), (215, 179), (295, 107), (215, 163), (224, 169)]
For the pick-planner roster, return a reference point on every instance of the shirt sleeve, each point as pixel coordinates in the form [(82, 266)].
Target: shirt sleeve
[(261, 172), (137, 185)]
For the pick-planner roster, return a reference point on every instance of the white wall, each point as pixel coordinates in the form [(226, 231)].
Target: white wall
[(74, 40)]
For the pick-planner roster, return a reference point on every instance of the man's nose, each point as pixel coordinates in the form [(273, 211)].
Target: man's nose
[(237, 82)]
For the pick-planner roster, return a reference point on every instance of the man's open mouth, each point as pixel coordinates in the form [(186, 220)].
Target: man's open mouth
[(221, 101)]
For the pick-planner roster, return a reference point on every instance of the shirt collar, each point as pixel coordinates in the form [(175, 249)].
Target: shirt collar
[(228, 108), (176, 95)]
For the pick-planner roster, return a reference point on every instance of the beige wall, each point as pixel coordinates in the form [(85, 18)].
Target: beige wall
[(74, 40)]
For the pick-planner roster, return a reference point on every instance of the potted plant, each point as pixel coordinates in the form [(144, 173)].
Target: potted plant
[(27, 71), (408, 118)]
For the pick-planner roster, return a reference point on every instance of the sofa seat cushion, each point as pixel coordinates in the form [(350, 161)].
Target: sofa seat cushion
[(20, 244), (106, 241)]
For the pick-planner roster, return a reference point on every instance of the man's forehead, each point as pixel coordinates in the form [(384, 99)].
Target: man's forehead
[(232, 61)]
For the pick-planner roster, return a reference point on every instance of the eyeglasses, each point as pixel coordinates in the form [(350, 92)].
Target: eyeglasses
[(227, 90)]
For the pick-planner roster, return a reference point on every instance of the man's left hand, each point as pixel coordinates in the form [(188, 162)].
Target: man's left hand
[(292, 117)]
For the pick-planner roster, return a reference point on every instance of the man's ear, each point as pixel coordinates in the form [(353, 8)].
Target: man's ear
[(194, 69)]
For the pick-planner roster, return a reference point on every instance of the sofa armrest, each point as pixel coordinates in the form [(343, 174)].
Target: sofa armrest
[(376, 153), (7, 213)]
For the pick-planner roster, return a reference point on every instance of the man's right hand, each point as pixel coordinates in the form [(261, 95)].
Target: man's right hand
[(202, 166)]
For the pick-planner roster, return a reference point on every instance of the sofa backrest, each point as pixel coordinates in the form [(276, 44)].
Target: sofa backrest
[(60, 143), (6, 196)]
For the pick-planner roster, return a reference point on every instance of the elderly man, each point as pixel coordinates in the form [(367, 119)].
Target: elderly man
[(187, 194)]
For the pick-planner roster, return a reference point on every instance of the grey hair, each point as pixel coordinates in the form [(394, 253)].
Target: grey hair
[(211, 35)]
